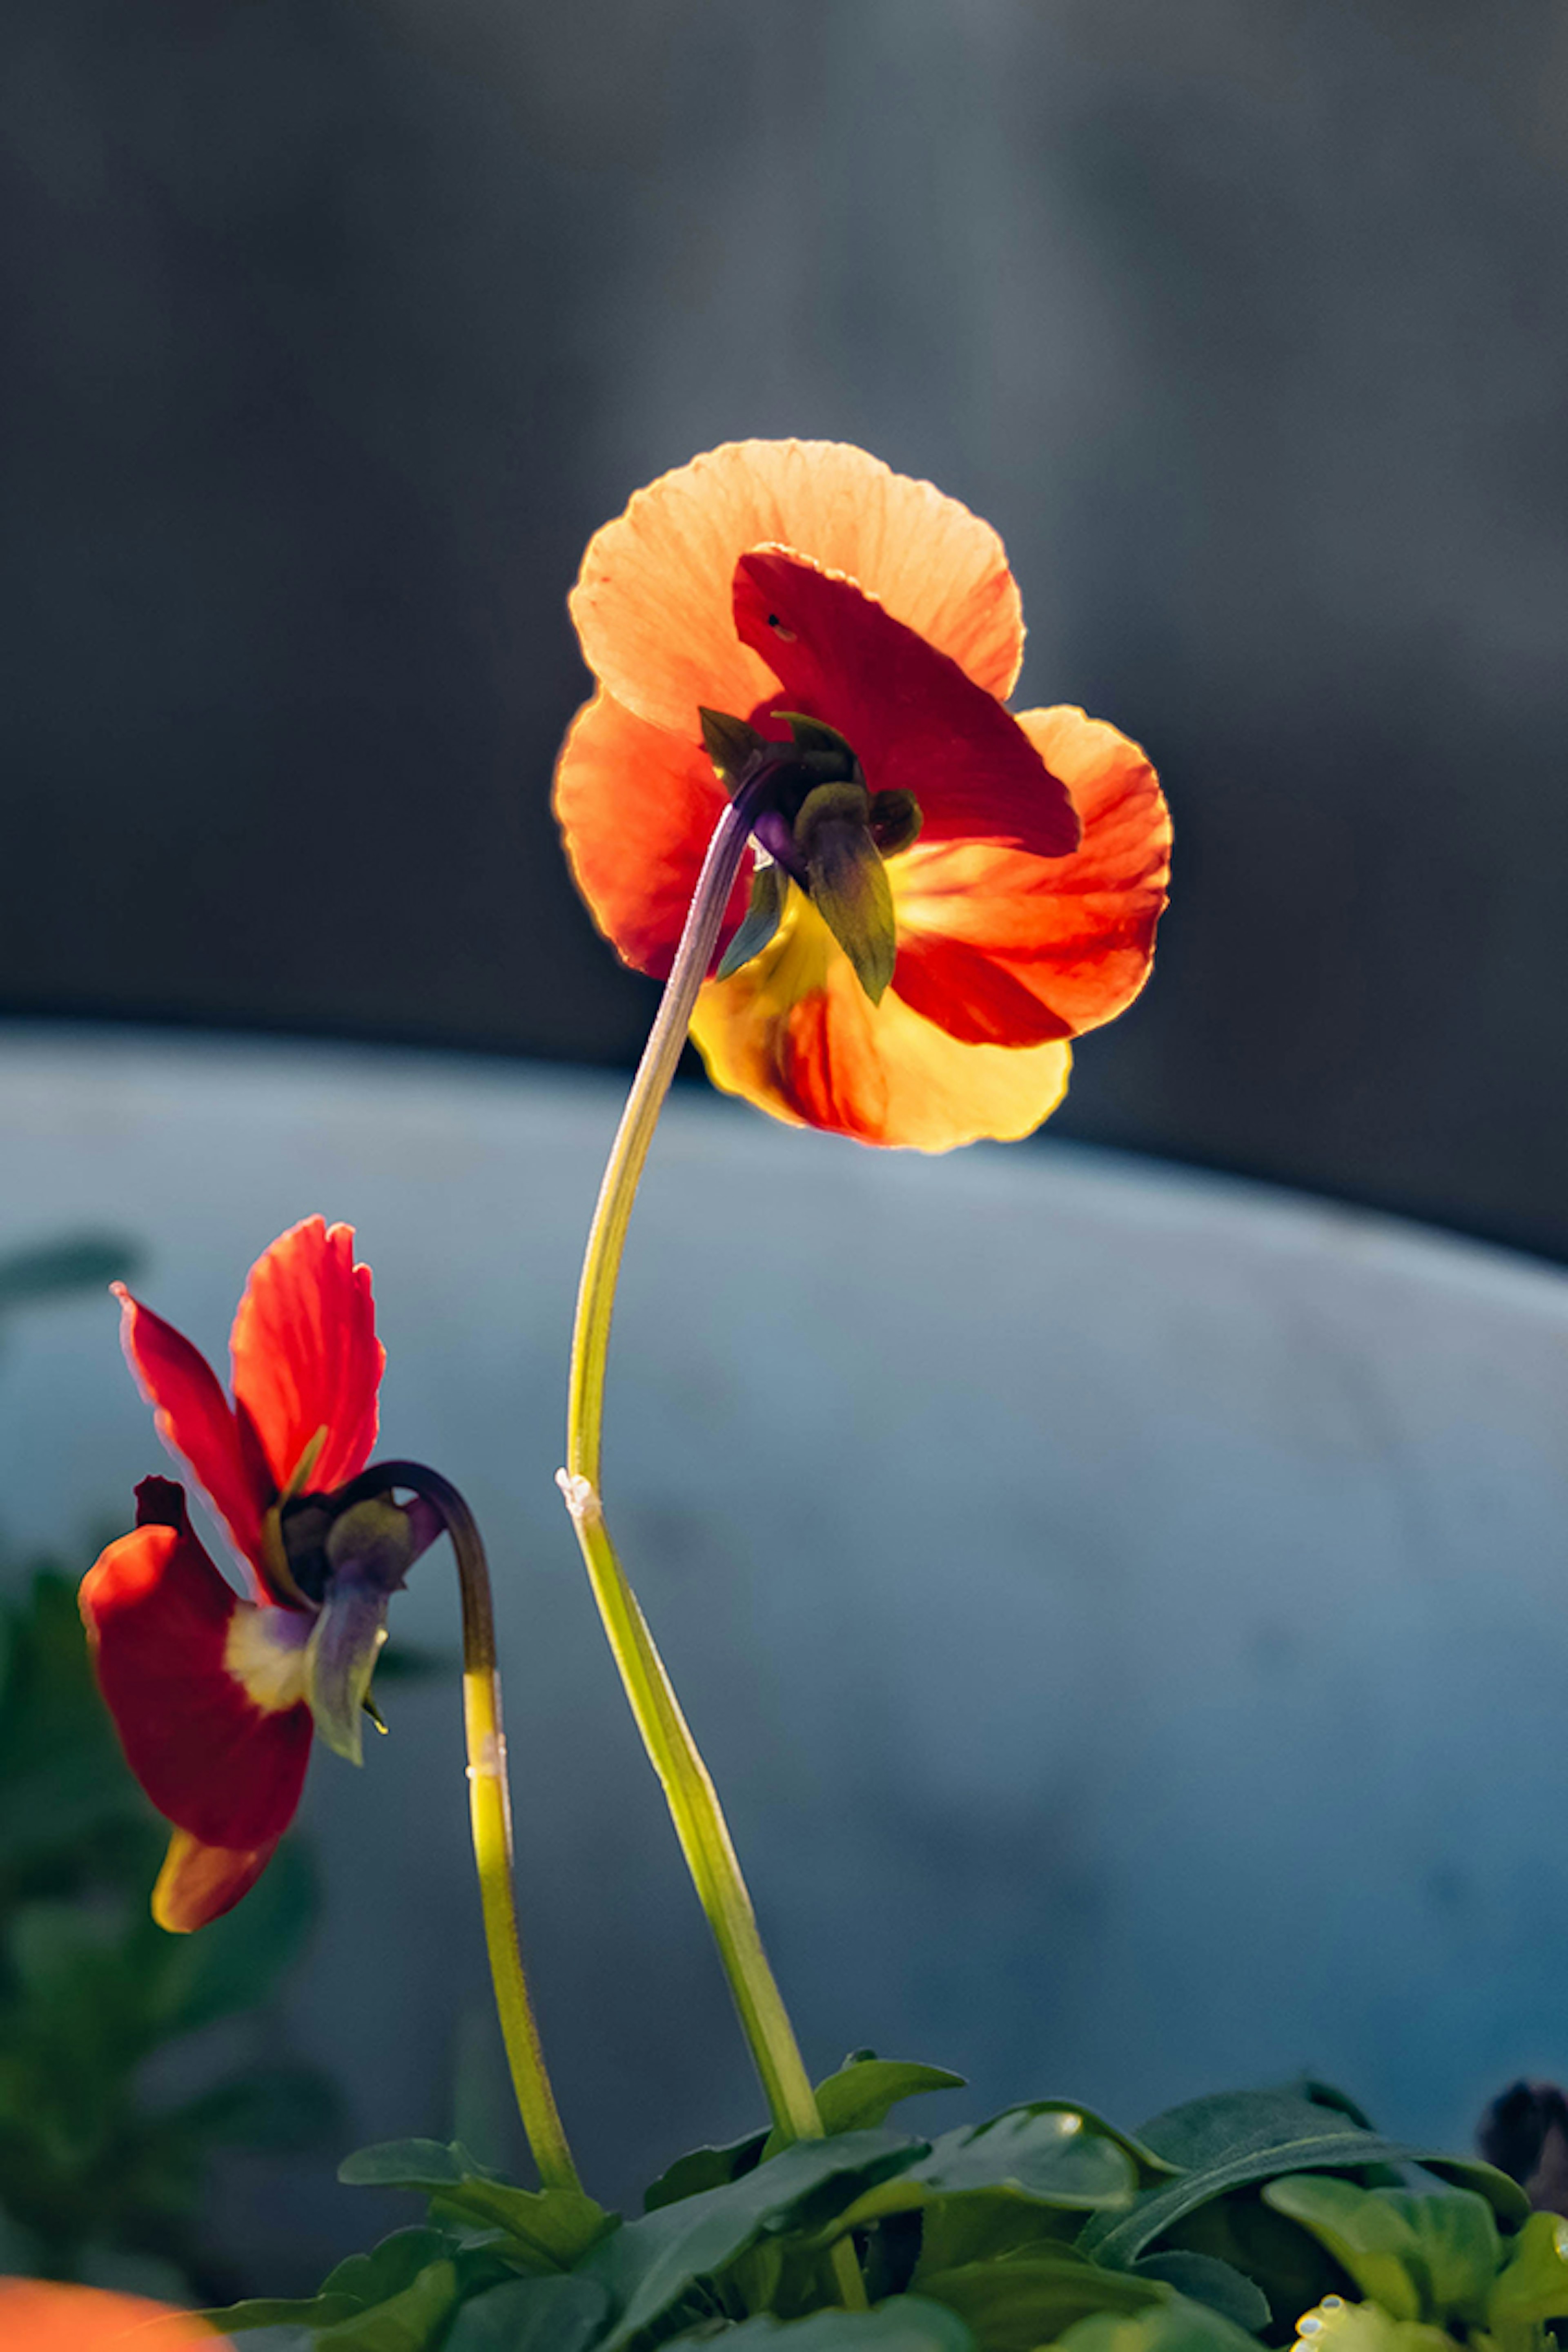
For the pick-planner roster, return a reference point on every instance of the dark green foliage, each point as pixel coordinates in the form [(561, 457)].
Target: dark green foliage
[(1220, 2224), (96, 2178)]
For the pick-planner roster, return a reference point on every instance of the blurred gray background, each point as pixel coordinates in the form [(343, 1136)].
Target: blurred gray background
[(335, 326)]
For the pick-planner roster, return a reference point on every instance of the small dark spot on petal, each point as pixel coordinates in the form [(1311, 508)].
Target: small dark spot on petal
[(775, 624)]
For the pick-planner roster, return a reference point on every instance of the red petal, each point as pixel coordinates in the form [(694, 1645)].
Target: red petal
[(1002, 949), (918, 723), (306, 1356), (215, 1763), (194, 1420), (636, 806)]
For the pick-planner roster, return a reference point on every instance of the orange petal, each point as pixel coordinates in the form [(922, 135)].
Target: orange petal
[(39, 2316), (652, 600), (794, 1033), (199, 1883), (637, 805), (997, 947), (194, 1422), (918, 723), (306, 1356)]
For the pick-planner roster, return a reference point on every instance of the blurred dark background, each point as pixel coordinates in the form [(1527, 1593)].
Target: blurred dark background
[(335, 326)]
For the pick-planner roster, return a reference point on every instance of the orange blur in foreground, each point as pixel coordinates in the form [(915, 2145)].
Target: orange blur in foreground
[(770, 577), (36, 2315)]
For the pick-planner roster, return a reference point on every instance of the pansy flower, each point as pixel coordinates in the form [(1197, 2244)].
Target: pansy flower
[(940, 893), (215, 1696), (39, 2316)]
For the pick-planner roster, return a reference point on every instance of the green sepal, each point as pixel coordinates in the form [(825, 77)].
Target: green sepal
[(814, 736), (730, 743), (897, 819), (369, 1551), (769, 894), (848, 881)]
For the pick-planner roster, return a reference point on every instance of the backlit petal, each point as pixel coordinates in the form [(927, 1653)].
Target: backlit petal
[(917, 722), (637, 805), (794, 1033), (997, 947), (194, 1421), (40, 2316), (652, 600), (162, 1622), (306, 1356), (199, 1883)]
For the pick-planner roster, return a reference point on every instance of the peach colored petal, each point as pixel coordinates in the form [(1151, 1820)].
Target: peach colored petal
[(652, 600), (999, 947), (794, 1033), (637, 805)]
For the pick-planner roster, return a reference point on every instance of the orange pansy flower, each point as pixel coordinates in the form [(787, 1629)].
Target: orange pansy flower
[(36, 2316), (1024, 857)]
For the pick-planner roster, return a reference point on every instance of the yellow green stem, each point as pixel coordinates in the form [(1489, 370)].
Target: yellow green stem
[(489, 1816), (693, 1801)]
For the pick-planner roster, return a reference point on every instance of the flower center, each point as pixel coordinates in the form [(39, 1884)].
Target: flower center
[(818, 827)]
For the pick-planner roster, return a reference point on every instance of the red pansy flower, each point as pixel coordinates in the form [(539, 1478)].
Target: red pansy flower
[(214, 1696), (1008, 871)]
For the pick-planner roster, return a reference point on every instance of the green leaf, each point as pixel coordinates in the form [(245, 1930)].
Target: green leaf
[(427, 2164), (905, 2323), (387, 2268), (1012, 2306), (280, 2311), (705, 2168), (1246, 2136), (413, 2321), (1178, 2326), (1366, 2237), (1042, 2152), (650, 2264), (1042, 2148), (1220, 2285), (551, 2228), (985, 2225), (1423, 2258), (545, 2314), (1534, 2286), (865, 2091)]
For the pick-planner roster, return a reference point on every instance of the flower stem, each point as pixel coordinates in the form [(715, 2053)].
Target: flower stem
[(490, 1813), (693, 1801)]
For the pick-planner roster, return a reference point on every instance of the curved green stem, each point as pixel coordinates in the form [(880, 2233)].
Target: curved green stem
[(693, 1801), (490, 1813)]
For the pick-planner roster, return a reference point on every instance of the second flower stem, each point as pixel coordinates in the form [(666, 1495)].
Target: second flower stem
[(490, 1814), (693, 1801)]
